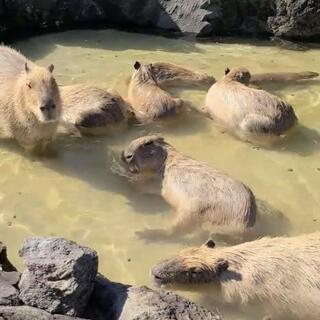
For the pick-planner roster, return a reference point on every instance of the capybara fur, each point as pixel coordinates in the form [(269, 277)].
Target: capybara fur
[(199, 194), (148, 100), (93, 110), (168, 74), (282, 77), (247, 111), (281, 274), (30, 105)]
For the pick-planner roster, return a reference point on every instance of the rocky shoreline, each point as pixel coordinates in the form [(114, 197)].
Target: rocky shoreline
[(288, 19), (61, 282)]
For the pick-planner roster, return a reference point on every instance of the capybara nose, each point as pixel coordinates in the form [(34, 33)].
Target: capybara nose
[(50, 105)]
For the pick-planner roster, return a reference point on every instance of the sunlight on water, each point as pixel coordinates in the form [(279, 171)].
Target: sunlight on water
[(76, 196)]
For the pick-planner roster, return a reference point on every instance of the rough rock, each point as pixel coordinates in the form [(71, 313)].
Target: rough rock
[(113, 301), (59, 275), (296, 19), (9, 278), (29, 313)]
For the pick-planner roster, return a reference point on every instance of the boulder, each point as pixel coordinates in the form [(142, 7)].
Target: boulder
[(114, 301), (29, 313), (9, 279), (298, 19), (59, 275)]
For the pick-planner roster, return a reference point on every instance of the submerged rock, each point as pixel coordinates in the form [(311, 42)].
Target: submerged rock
[(29, 313), (59, 275), (114, 301)]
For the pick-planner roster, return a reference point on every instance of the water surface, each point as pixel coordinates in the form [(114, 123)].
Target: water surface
[(76, 196)]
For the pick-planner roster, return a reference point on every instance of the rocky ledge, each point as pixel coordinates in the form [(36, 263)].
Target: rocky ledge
[(60, 282), (292, 19)]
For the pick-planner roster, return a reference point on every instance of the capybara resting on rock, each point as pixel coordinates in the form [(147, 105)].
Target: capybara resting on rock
[(91, 109), (245, 111), (148, 100), (30, 103), (280, 273), (199, 194)]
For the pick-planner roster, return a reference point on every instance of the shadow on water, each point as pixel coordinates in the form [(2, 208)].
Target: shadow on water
[(108, 40)]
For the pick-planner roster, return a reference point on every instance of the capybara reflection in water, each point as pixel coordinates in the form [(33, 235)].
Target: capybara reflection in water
[(199, 194), (30, 105)]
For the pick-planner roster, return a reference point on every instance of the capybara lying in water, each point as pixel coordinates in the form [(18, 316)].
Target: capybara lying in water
[(148, 100), (198, 193), (30, 105), (172, 74), (281, 274), (92, 110), (247, 111)]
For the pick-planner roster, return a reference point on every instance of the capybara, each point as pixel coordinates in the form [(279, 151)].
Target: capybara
[(198, 193), (30, 103), (281, 274), (92, 110), (282, 77), (247, 111), (172, 74), (148, 100)]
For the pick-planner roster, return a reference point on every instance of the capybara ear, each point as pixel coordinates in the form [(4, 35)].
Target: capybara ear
[(137, 65), (226, 71), (26, 67), (210, 244), (222, 265), (51, 68)]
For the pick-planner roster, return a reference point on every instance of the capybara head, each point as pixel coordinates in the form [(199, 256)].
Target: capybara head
[(238, 74), (143, 73), (190, 266), (145, 155), (41, 93)]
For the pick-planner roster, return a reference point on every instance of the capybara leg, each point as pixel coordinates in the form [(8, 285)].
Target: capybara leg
[(256, 123), (182, 225)]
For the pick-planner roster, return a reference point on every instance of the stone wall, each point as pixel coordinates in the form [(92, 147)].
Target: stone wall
[(293, 19)]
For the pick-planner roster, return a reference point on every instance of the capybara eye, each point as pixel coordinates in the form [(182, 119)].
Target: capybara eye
[(129, 157), (53, 106), (42, 109), (29, 85)]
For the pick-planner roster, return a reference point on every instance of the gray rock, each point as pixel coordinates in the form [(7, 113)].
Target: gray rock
[(296, 19), (9, 278), (113, 301), (29, 313), (59, 275)]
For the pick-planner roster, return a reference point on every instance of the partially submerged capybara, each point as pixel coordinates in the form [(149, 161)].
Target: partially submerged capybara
[(281, 274), (247, 111), (199, 194), (30, 105), (172, 74), (282, 77), (92, 110), (148, 100)]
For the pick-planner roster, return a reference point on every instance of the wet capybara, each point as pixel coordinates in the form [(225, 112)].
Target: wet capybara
[(247, 111), (148, 100), (30, 104), (280, 274), (198, 193), (92, 110)]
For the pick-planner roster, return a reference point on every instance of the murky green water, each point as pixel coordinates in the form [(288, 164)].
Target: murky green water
[(76, 196)]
